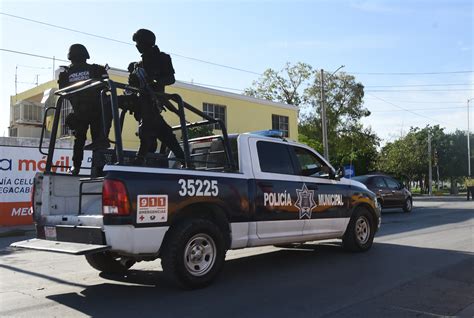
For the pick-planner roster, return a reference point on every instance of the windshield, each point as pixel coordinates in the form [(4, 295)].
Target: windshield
[(362, 179)]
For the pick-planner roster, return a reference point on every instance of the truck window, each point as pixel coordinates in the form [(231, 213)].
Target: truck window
[(274, 157), (310, 165)]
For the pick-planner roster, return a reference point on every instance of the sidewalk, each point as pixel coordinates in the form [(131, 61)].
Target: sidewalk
[(16, 230)]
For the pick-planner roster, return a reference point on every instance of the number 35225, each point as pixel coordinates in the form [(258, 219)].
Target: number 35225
[(198, 188)]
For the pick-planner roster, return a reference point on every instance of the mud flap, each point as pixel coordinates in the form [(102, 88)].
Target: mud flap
[(60, 247)]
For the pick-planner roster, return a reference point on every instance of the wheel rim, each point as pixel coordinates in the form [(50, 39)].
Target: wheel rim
[(408, 205), (200, 254), (362, 230)]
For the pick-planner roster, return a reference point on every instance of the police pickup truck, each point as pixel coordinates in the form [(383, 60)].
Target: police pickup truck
[(273, 192)]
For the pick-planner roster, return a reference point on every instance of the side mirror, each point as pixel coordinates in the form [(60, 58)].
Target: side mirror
[(340, 173)]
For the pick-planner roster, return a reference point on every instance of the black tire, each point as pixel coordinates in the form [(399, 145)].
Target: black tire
[(408, 205), (109, 263), (360, 232), (194, 253)]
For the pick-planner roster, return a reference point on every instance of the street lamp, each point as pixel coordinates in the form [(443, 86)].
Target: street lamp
[(468, 141), (323, 114)]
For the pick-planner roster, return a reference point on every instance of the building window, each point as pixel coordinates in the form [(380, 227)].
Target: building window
[(13, 132), (280, 123), (215, 111), (16, 113), (32, 113)]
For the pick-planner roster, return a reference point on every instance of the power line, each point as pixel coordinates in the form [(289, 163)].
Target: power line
[(214, 86), (420, 90), (34, 67), (64, 28), (34, 55), (412, 73), (416, 109), (407, 110), (421, 85), (127, 43), (425, 102)]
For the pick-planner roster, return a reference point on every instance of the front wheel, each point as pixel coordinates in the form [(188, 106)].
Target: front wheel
[(360, 232), (194, 253), (408, 205)]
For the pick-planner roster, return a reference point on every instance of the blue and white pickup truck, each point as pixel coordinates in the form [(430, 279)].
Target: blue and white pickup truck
[(233, 191)]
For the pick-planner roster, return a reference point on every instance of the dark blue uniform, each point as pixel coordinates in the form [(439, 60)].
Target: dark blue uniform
[(159, 72), (86, 108)]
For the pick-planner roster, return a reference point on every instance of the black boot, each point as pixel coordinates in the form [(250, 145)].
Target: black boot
[(74, 170)]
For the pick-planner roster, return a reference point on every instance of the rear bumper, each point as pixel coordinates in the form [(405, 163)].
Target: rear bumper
[(131, 240), (60, 247), (81, 240), (73, 234)]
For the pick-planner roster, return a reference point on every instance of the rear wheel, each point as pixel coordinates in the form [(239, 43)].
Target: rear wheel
[(109, 263), (194, 253), (360, 232), (408, 206)]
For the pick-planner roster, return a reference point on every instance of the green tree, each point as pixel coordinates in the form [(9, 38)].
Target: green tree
[(285, 86), (407, 158), (299, 85), (453, 158), (200, 131)]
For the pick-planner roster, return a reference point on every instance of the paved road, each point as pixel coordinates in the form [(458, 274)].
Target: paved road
[(421, 265)]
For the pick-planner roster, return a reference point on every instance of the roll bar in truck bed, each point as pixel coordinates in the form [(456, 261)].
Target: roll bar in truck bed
[(109, 92)]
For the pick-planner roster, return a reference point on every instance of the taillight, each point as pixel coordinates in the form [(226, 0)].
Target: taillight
[(114, 198)]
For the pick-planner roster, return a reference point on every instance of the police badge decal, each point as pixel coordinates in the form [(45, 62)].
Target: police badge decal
[(305, 202)]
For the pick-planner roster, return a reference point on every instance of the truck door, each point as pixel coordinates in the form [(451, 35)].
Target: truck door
[(329, 210), (276, 182)]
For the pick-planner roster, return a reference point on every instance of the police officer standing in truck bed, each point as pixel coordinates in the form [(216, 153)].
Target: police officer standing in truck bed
[(86, 105), (151, 74)]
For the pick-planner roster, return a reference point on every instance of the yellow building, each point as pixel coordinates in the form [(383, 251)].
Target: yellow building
[(240, 113)]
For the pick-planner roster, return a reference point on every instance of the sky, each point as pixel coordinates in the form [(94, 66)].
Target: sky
[(415, 58)]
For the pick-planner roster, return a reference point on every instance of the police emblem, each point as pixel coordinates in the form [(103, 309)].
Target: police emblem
[(305, 202)]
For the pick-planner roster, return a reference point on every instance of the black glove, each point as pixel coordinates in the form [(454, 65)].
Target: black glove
[(131, 67), (128, 102)]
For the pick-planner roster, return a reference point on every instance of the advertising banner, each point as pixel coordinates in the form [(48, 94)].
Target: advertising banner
[(18, 166)]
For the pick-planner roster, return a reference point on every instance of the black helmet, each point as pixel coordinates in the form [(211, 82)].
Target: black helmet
[(144, 36), (77, 52)]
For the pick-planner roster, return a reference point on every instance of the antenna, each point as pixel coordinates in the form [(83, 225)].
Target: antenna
[(54, 62), (16, 80)]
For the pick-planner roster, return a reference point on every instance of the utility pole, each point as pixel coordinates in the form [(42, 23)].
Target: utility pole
[(323, 119), (430, 177), (468, 142)]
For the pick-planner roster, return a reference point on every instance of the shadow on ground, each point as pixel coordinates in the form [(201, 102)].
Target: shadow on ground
[(423, 217), (306, 282)]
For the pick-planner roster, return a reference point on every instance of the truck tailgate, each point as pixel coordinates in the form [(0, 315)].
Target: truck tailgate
[(61, 247)]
